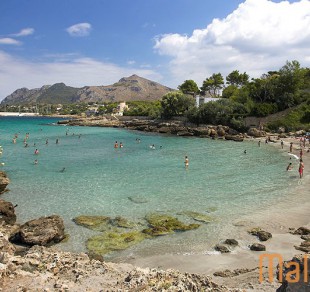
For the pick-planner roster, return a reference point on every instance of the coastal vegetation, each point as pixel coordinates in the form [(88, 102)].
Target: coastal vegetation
[(285, 92)]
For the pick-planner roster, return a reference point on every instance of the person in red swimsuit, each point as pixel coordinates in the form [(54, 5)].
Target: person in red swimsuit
[(301, 168)]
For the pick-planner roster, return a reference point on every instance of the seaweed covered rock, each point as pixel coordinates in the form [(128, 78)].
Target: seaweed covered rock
[(98, 223), (161, 224), (121, 222), (113, 241), (103, 223), (42, 231)]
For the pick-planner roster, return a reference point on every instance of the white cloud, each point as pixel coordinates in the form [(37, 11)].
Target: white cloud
[(260, 35), (24, 32), (78, 72), (79, 29), (9, 41), (131, 62)]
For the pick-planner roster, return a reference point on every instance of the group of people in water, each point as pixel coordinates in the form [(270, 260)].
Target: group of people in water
[(26, 144), (301, 165)]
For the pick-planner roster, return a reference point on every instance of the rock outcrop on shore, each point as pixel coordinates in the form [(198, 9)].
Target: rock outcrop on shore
[(7, 212), (4, 181), (41, 231), (174, 127)]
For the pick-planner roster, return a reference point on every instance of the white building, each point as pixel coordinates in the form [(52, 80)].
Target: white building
[(121, 108), (202, 100)]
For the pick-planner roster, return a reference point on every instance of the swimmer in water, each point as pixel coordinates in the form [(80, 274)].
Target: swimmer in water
[(186, 162), (63, 170), (289, 167), (116, 144)]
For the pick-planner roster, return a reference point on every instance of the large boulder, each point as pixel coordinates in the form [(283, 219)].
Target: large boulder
[(7, 212), (202, 131), (256, 133), (164, 130), (42, 231), (237, 138), (221, 131), (257, 247), (4, 181)]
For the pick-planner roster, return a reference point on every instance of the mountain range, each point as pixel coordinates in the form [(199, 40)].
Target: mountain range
[(131, 88)]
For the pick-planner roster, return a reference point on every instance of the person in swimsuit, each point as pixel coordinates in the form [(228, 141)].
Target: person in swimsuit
[(289, 167), (116, 144), (186, 162), (301, 168)]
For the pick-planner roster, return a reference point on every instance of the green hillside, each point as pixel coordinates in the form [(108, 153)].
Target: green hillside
[(59, 93)]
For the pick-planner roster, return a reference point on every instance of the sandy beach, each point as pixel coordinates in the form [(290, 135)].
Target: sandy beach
[(278, 219)]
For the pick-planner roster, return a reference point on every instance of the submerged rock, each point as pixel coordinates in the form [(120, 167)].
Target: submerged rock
[(113, 241), (121, 222), (161, 224), (98, 223), (198, 216), (137, 199), (103, 223), (157, 231)]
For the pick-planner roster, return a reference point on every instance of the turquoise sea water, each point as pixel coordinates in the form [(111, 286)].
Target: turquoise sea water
[(221, 180)]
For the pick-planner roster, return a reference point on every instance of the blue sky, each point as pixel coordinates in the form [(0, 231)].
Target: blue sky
[(97, 42)]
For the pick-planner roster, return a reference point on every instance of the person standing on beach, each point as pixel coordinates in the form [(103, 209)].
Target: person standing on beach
[(301, 168), (300, 153), (259, 143), (291, 147), (282, 144), (186, 162)]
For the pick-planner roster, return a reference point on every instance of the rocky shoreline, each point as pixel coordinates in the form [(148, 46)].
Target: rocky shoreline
[(26, 264), (174, 127)]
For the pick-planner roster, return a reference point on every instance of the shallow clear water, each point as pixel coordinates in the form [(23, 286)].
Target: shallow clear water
[(98, 179)]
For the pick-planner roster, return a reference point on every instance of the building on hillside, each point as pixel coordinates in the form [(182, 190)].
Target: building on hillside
[(203, 99), (91, 111), (120, 109)]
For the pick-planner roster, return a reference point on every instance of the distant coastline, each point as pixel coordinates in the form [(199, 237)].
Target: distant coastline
[(17, 114)]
